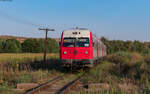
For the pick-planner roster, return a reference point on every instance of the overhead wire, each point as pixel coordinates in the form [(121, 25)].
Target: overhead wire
[(17, 20), (27, 22)]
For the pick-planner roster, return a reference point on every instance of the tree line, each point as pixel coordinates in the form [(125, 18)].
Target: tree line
[(114, 46), (28, 46), (37, 46)]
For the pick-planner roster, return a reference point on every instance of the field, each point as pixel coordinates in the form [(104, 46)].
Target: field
[(8, 57), (119, 73), (26, 68)]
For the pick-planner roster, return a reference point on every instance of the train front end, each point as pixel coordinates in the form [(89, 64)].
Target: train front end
[(76, 47)]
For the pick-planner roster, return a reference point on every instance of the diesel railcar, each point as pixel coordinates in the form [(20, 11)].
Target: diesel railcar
[(80, 47)]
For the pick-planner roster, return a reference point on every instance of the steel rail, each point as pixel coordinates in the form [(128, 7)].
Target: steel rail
[(63, 90), (43, 86), (71, 85)]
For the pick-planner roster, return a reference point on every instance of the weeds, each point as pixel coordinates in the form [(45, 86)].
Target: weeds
[(122, 70), (25, 68)]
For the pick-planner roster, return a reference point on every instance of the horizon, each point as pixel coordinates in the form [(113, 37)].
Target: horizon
[(115, 20), (60, 37)]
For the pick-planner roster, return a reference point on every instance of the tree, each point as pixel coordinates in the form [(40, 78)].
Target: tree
[(31, 46), (119, 45), (1, 46), (12, 46), (52, 46), (37, 45), (104, 40)]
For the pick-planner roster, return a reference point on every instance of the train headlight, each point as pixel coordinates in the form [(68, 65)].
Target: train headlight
[(86, 52), (65, 52)]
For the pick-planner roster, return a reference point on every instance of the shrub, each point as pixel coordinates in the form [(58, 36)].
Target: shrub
[(52, 46), (101, 73), (31, 45), (37, 45), (119, 57), (12, 46), (1, 46), (121, 65), (147, 59)]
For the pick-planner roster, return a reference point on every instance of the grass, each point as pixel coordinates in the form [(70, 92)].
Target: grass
[(8, 57), (123, 72), (26, 68), (119, 73)]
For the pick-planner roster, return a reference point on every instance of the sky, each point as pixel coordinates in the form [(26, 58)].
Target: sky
[(113, 19)]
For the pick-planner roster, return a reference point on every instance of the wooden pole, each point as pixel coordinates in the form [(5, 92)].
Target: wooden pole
[(45, 41)]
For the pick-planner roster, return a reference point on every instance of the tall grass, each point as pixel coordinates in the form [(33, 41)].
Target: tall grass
[(9, 57), (26, 68), (110, 91), (123, 70)]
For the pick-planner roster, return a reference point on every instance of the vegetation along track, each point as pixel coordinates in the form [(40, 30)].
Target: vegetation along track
[(59, 85), (43, 86)]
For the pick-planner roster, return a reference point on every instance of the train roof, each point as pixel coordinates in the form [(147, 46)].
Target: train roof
[(77, 29), (78, 32)]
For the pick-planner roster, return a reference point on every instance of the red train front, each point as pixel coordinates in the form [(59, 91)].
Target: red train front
[(80, 47)]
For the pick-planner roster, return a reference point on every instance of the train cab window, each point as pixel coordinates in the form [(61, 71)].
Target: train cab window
[(76, 42), (82, 42), (69, 42)]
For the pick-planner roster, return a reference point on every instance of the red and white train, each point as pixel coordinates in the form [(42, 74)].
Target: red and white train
[(79, 46)]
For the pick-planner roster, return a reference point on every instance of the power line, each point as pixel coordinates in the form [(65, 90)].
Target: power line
[(17, 20)]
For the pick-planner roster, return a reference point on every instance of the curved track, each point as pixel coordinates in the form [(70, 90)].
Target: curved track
[(59, 85), (43, 86)]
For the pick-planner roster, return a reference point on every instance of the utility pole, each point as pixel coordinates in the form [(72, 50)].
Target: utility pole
[(45, 41)]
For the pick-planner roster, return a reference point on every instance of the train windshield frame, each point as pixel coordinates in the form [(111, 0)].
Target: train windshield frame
[(76, 42)]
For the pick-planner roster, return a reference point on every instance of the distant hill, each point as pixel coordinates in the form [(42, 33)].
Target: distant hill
[(21, 39)]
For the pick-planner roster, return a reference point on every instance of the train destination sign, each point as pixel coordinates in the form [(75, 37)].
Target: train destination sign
[(72, 40)]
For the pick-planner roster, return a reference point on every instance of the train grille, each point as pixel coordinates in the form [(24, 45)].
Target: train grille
[(75, 52)]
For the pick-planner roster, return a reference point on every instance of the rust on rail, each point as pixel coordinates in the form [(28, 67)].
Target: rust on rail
[(69, 86), (43, 86)]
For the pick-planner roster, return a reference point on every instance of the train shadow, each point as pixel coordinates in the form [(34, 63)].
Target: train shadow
[(49, 64), (53, 64)]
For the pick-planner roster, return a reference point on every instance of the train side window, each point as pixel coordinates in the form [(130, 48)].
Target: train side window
[(93, 44), (93, 40)]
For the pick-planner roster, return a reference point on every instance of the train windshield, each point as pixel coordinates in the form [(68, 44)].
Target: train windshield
[(76, 42), (69, 42)]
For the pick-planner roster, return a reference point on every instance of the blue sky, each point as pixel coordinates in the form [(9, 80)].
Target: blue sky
[(114, 19)]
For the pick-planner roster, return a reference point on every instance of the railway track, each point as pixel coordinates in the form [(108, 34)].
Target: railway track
[(58, 85), (66, 89), (43, 86)]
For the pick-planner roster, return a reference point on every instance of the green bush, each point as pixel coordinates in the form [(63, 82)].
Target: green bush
[(37, 46), (119, 57), (1, 46), (122, 67), (12, 46), (52, 46), (114, 46), (31, 45), (101, 73)]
